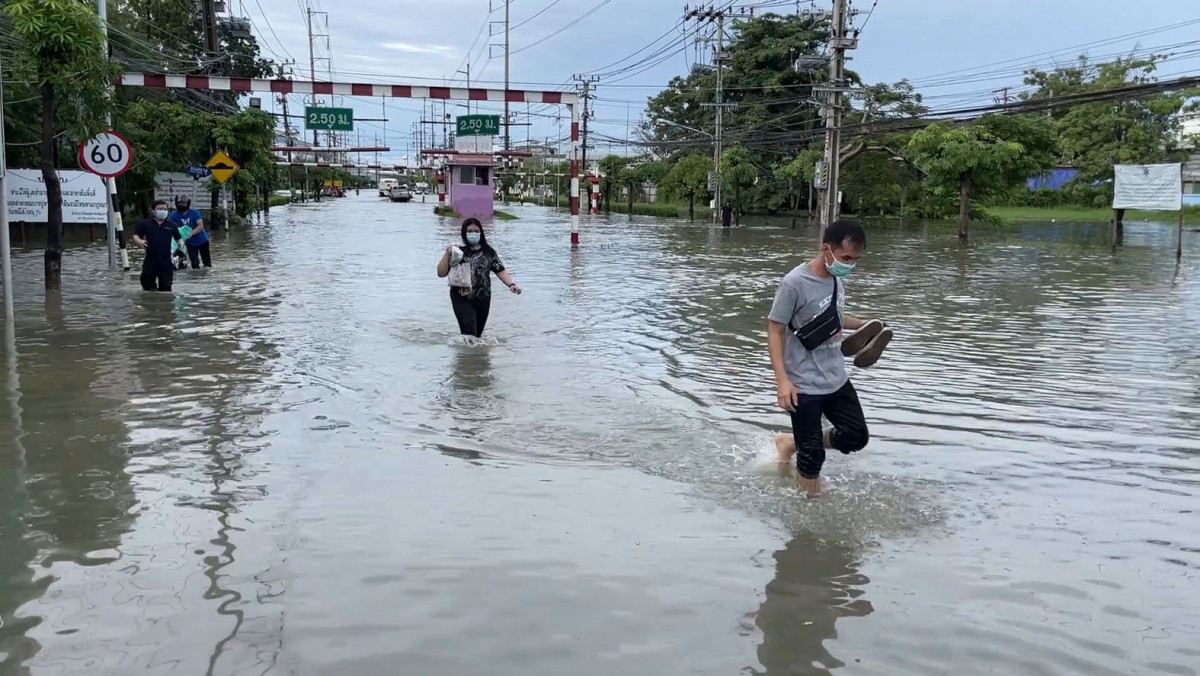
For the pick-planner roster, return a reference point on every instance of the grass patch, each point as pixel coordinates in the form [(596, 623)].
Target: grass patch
[(1191, 214), (660, 209), (503, 215), (280, 200), (447, 212)]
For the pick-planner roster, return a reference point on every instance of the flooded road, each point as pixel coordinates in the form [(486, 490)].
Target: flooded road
[(290, 466)]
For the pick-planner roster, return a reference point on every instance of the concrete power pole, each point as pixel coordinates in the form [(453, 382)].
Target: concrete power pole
[(717, 62), (719, 59), (213, 45), (116, 230), (5, 246), (507, 120), (587, 81), (838, 44), (312, 61)]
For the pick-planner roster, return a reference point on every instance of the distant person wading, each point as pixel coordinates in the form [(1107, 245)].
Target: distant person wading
[(197, 243), (469, 269)]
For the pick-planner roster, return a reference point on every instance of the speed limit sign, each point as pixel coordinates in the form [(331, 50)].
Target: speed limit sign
[(108, 154)]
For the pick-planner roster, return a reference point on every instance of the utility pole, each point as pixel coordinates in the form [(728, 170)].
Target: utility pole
[(507, 121), (719, 59), (287, 132), (5, 245), (116, 234), (839, 42), (312, 61), (1002, 97), (587, 81), (467, 72), (213, 45)]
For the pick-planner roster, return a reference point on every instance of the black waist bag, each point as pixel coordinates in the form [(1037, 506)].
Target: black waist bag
[(822, 327)]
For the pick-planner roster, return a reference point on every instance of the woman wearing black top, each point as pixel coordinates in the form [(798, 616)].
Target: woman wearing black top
[(472, 303)]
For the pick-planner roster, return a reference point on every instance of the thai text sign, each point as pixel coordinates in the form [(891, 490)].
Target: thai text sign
[(329, 119), (84, 199), (1151, 187), (478, 125)]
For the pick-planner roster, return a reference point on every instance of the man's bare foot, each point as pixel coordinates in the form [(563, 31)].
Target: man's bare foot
[(785, 448), (812, 487)]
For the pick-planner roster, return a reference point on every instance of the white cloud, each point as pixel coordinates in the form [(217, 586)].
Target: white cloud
[(417, 49)]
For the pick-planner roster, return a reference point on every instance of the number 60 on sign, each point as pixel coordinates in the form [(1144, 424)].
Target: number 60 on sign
[(107, 154)]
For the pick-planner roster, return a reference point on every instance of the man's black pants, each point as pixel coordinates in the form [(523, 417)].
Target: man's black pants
[(157, 274), (195, 253), (843, 411)]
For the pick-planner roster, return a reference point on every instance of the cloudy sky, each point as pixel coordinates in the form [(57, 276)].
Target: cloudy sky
[(955, 51)]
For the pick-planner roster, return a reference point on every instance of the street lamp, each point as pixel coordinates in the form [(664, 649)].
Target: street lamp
[(687, 128)]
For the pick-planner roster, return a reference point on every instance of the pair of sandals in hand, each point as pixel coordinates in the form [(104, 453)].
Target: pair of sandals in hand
[(867, 343)]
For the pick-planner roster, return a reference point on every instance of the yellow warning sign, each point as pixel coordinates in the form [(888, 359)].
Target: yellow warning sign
[(223, 167)]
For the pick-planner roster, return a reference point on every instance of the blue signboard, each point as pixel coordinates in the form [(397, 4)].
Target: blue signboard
[(198, 171)]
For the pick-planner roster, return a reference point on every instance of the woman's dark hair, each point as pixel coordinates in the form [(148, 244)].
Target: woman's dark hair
[(483, 243)]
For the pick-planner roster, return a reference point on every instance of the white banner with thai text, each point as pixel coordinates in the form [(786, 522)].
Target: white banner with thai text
[(474, 144), (1149, 187), (169, 185), (83, 195)]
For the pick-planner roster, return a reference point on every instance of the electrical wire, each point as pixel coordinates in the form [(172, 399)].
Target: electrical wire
[(560, 31)]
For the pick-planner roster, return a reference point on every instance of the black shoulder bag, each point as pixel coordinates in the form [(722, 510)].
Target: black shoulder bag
[(822, 327)]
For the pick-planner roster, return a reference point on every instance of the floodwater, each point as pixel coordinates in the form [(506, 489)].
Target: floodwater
[(290, 466)]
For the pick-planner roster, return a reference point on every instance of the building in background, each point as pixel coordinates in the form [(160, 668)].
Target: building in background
[(1189, 129), (470, 182)]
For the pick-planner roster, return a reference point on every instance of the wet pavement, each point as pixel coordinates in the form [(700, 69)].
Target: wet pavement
[(292, 466)]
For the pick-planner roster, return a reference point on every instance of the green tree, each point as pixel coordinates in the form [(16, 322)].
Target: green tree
[(248, 137), (738, 170), (995, 153), (59, 47), (611, 173), (1132, 130), (688, 178)]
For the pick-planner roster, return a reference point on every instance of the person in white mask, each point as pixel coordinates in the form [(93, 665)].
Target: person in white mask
[(808, 354), (469, 267), (154, 235)]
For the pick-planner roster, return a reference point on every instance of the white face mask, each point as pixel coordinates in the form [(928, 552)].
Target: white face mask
[(160, 214)]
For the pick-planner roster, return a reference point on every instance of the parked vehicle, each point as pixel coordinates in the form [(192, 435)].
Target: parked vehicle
[(400, 193)]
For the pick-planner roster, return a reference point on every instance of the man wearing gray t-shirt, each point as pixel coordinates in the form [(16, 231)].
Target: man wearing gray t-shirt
[(814, 382)]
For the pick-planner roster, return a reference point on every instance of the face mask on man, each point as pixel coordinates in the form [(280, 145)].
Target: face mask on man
[(472, 238), (838, 268), (160, 214)]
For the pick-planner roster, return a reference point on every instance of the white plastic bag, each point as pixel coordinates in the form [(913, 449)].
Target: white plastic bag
[(460, 270)]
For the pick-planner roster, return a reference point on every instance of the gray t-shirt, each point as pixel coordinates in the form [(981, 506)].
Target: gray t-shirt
[(801, 297)]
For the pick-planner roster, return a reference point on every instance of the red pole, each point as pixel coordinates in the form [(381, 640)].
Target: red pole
[(574, 199)]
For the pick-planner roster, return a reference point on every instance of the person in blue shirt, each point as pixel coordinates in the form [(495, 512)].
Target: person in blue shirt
[(197, 244)]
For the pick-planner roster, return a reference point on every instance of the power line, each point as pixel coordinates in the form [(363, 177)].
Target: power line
[(543, 40)]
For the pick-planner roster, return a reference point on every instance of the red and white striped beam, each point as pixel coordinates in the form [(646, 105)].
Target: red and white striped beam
[(337, 165), (248, 85), (311, 149), (496, 153)]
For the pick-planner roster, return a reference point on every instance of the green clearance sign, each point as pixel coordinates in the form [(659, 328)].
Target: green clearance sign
[(478, 125), (329, 119)]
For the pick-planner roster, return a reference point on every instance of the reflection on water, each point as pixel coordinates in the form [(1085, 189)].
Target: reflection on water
[(293, 465), (816, 584)]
